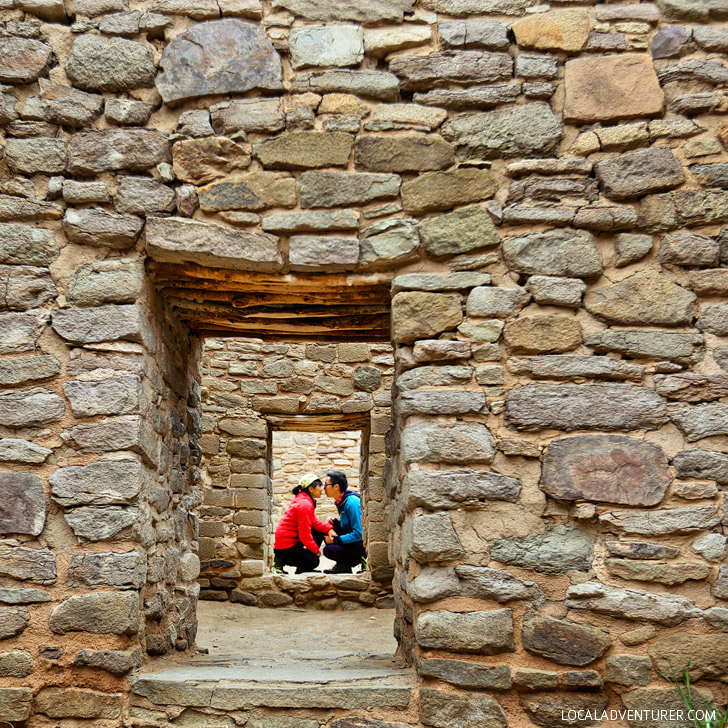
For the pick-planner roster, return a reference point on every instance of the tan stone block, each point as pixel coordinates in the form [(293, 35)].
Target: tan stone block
[(343, 104), (353, 352), (563, 30), (543, 334), (605, 88), (419, 315), (203, 160), (209, 444)]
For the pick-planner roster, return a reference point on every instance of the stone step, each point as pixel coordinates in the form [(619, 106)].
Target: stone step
[(340, 680)]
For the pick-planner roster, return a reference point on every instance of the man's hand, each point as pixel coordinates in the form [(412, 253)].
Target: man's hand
[(329, 537)]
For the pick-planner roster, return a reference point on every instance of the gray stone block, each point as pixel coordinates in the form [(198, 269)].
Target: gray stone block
[(433, 538), (108, 569), (443, 709), (13, 621), (100, 613), (448, 443), (484, 633), (120, 396), (16, 663), (23, 506), (30, 408), (102, 524), (458, 488)]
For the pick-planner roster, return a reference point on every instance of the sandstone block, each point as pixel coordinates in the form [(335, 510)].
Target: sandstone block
[(102, 523), (441, 403), (28, 368), (101, 228), (27, 564), (101, 483), (547, 709), (496, 302), (15, 703), (127, 112), (563, 252), (100, 613), (607, 88), (117, 662), (405, 116), (646, 344), (23, 59), (562, 641), (645, 298), (542, 334), (39, 155), (458, 488), (332, 189), (448, 443), (699, 421), (628, 670), (434, 191), (689, 249), (586, 406), (467, 674), (23, 507), (435, 377), (713, 319), (326, 45), (96, 63), (484, 633), (200, 161), (497, 585), (110, 150), (215, 57), (523, 130), (702, 464), (143, 196), (72, 703), (456, 710), (323, 221), (490, 34), (30, 408), (381, 41), (13, 621), (630, 247), (26, 245), (669, 520), (374, 84), (22, 451), (311, 252), (367, 13), (63, 105), (388, 241), (15, 663), (108, 569), (418, 315), (107, 281), (458, 232), (557, 30), (670, 574), (422, 72), (24, 287), (556, 291), (174, 240), (441, 350), (402, 153), (560, 549), (305, 149), (605, 468), (100, 323), (433, 538), (639, 173)]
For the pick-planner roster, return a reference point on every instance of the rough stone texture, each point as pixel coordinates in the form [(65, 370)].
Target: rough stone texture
[(458, 232), (452, 710), (556, 291), (560, 549), (702, 464), (713, 319), (23, 507), (434, 191), (22, 451), (26, 245), (706, 654), (640, 173), (331, 189), (565, 30), (108, 281), (101, 524), (102, 228), (467, 674), (646, 298), (605, 468), (434, 539), (143, 196), (575, 365), (483, 633), (607, 88), (689, 249), (556, 252), (256, 114), (402, 153), (588, 406), (457, 488), (552, 710), (65, 703), (23, 59), (670, 574), (135, 150), (456, 443), (542, 334), (27, 564), (567, 643), (417, 315), (13, 621), (628, 670), (310, 252), (117, 662), (375, 84), (323, 45), (176, 239), (96, 63), (100, 613), (645, 344), (101, 483), (15, 703), (30, 408), (528, 129), (656, 523), (218, 57), (101, 323), (387, 242), (31, 156), (664, 702), (107, 569), (15, 663), (704, 420), (204, 160)]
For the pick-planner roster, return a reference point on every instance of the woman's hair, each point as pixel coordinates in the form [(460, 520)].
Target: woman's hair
[(298, 488), (339, 479)]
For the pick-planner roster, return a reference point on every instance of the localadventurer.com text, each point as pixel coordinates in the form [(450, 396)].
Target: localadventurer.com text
[(637, 715)]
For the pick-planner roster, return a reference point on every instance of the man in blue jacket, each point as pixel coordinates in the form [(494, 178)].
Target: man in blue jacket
[(346, 548)]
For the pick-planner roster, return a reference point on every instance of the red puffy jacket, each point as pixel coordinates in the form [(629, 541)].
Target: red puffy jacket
[(296, 524)]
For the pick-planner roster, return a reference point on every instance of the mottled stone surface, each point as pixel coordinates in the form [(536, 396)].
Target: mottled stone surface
[(443, 709), (605, 468), (422, 72), (28, 564), (556, 252), (702, 464), (657, 523), (100, 613), (542, 334), (418, 315), (101, 483), (65, 703), (455, 443), (135, 150), (484, 633), (551, 710), (331, 189), (607, 88), (402, 153), (650, 344), (565, 30), (23, 506), (458, 232), (562, 641), (13, 621), (34, 407), (640, 173), (218, 57), (434, 191), (458, 488), (304, 149), (23, 59)]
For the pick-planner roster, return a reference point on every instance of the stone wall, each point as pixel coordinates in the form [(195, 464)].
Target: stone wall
[(322, 388), (548, 184)]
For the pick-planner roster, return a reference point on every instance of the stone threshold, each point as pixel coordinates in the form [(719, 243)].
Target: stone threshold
[(316, 680)]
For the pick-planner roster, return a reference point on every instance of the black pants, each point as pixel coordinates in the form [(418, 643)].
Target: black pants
[(299, 556), (346, 555)]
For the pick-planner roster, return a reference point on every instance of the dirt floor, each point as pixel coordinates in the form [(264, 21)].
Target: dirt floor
[(234, 629)]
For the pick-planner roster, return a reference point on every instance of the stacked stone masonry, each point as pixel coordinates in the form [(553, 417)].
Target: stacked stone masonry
[(544, 186), (247, 480)]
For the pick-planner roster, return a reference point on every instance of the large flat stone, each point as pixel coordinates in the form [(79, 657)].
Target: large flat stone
[(576, 365), (101, 483), (702, 464), (452, 489), (106, 281), (23, 506), (561, 548), (607, 88), (101, 323), (562, 252), (553, 710), (16, 663), (101, 228), (434, 191), (443, 709), (374, 84), (605, 468), (639, 173), (255, 114), (28, 564), (29, 368), (23, 287), (557, 30), (119, 433), (174, 240), (199, 161), (326, 45), (63, 105), (542, 334), (320, 253), (96, 63), (483, 633), (388, 242), (448, 443), (523, 130), (94, 523), (467, 674), (458, 232), (108, 569), (421, 315), (218, 57), (100, 613), (252, 191), (562, 641), (23, 59), (658, 523), (372, 12), (26, 245), (587, 406), (707, 655), (422, 72), (30, 408), (15, 703), (39, 155), (332, 189), (22, 451), (645, 298), (305, 150), (402, 153), (703, 420), (663, 708), (111, 150), (74, 703), (679, 346)]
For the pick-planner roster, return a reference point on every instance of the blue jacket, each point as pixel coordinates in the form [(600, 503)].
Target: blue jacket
[(349, 507)]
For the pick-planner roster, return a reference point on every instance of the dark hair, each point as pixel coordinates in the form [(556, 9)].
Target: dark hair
[(298, 488), (338, 478)]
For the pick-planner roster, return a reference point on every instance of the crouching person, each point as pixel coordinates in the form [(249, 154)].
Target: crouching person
[(346, 547)]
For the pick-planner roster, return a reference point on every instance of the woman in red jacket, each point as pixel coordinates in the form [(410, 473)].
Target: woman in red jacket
[(299, 534)]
